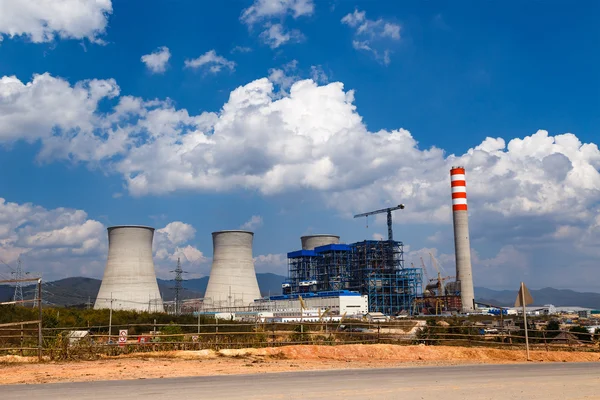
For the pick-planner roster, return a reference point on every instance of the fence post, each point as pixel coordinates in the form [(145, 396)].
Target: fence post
[(21, 350), (378, 330)]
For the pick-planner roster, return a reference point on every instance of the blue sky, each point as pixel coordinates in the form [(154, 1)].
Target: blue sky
[(425, 84)]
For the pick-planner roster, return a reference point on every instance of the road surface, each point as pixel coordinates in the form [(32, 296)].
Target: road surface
[(515, 381)]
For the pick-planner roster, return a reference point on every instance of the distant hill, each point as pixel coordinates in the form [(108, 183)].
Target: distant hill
[(77, 291), (557, 297)]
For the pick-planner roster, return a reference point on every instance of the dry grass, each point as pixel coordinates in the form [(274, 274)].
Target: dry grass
[(14, 369)]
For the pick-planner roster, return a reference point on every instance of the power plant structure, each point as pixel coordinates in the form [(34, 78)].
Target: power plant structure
[(312, 241), (440, 295), (232, 281), (462, 246), (372, 268), (129, 281), (328, 272)]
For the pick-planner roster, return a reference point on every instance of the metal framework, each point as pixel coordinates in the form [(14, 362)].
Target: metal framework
[(372, 268)]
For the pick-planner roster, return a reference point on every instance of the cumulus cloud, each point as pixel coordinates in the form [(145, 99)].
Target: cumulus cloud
[(372, 36), (241, 49), (157, 61), (65, 242), (43, 21), (59, 242), (177, 232), (273, 263), (212, 61), (529, 191), (275, 34), (266, 9), (255, 222)]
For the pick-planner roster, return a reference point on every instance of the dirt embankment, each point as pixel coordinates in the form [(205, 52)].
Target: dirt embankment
[(14, 370)]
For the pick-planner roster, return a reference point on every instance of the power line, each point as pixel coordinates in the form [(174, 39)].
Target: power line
[(178, 286), (18, 296)]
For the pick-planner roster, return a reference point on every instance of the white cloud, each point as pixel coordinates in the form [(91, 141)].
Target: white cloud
[(59, 242), (391, 30), (378, 236), (285, 76), (177, 232), (43, 21), (275, 35), (212, 61), (370, 35), (266, 9), (157, 61), (318, 75), (273, 263), (64, 242), (522, 192), (241, 49), (255, 222)]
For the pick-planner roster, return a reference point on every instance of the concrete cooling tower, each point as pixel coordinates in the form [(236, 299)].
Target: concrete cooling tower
[(232, 281), (129, 277), (462, 245), (312, 241)]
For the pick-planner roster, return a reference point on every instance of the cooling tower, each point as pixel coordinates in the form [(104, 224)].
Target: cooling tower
[(312, 241), (129, 277), (232, 281), (462, 246)]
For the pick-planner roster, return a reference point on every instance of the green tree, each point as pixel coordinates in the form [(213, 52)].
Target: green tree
[(582, 333), (553, 326)]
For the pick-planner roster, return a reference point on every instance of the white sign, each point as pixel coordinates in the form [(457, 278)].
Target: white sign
[(122, 336)]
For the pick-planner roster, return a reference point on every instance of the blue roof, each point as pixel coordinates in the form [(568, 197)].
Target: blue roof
[(332, 247), (301, 253)]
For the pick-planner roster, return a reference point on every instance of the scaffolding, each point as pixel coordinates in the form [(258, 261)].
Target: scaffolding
[(372, 268), (302, 266)]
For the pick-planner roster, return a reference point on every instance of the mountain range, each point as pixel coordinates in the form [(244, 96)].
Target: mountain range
[(80, 290)]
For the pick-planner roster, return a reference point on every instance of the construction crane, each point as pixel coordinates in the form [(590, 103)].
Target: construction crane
[(389, 217)]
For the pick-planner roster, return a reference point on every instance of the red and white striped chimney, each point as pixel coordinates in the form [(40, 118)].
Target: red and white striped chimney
[(462, 246)]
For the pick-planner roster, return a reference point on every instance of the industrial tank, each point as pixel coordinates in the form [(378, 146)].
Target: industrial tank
[(129, 281), (232, 281), (312, 241)]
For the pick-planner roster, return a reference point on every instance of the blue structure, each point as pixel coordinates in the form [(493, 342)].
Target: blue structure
[(372, 268)]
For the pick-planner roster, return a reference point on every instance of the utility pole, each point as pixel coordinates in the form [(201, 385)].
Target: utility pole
[(40, 337)]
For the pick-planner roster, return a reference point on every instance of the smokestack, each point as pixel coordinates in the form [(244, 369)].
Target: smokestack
[(232, 281), (129, 277), (462, 246), (312, 241)]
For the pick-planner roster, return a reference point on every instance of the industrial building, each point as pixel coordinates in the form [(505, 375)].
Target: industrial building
[(129, 281), (336, 302), (371, 268), (232, 281)]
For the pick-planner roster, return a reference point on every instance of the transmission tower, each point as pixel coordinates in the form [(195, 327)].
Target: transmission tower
[(178, 287), (18, 297)]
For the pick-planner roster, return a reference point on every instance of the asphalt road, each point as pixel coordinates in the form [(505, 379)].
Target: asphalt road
[(521, 381)]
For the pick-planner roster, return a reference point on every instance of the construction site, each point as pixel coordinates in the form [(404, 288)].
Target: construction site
[(325, 278)]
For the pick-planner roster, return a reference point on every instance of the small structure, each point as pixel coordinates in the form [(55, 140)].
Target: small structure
[(584, 314), (76, 336), (376, 317)]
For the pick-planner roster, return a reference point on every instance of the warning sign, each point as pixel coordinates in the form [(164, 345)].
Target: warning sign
[(122, 337)]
